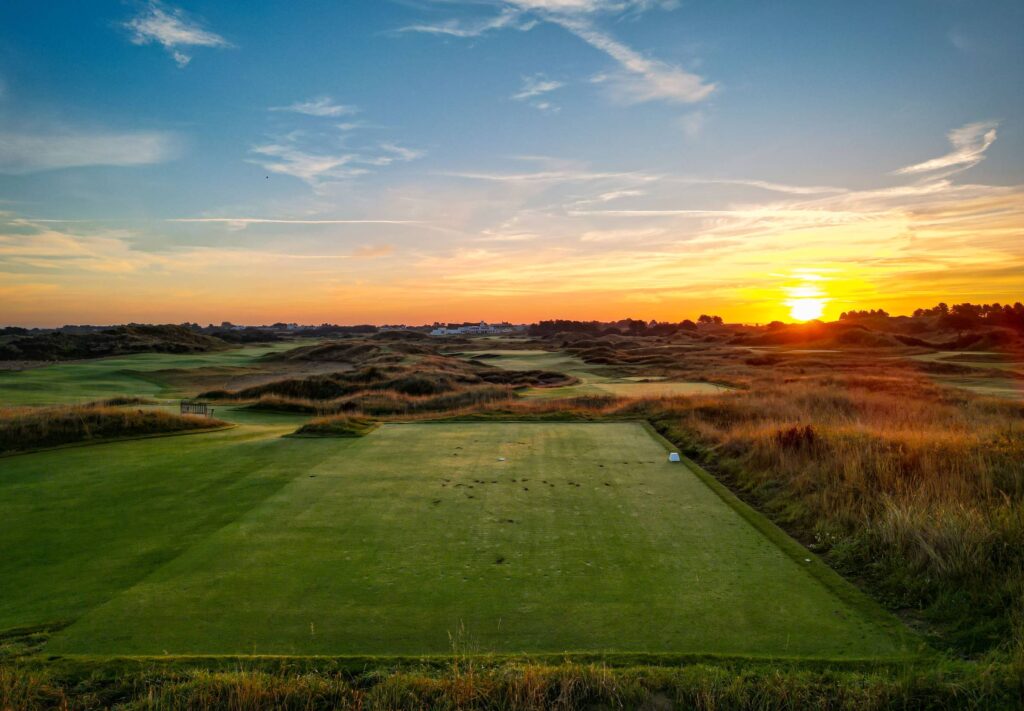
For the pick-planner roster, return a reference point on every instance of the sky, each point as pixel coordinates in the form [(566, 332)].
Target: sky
[(412, 161)]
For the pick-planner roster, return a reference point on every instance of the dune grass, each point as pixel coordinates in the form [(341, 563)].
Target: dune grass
[(502, 685), (337, 426), (594, 379), (28, 428), (913, 487)]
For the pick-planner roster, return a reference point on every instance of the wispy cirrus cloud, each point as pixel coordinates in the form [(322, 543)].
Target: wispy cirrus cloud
[(636, 79), (507, 18), (397, 153), (285, 157), (559, 176), (538, 86), (558, 173), (31, 152), (319, 106), (172, 29), (240, 223), (969, 145), (323, 153), (318, 165), (639, 78), (27, 246)]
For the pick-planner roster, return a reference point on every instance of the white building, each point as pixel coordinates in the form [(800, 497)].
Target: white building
[(472, 329)]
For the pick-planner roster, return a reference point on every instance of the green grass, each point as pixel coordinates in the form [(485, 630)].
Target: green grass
[(79, 525), (987, 382), (107, 377), (594, 379), (243, 542), (660, 388)]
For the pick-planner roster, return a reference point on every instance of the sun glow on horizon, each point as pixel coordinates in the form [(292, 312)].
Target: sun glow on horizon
[(806, 309), (807, 299)]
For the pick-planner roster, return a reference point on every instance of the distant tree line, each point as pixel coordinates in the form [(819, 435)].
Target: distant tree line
[(855, 315), (961, 317), (966, 316), (626, 326)]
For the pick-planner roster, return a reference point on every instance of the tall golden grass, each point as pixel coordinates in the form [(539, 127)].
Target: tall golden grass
[(390, 403), (916, 488), (27, 428), (516, 686)]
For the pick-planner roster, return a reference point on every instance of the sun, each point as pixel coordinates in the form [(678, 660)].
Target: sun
[(807, 297), (806, 309)]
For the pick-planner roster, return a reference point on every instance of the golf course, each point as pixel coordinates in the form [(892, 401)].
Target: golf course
[(593, 379), (517, 537), (397, 507), (146, 374)]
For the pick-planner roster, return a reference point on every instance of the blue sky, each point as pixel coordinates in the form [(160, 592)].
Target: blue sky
[(419, 159)]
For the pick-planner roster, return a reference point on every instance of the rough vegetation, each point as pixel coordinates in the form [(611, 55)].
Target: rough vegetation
[(917, 489), (28, 428), (120, 340), (337, 426), (389, 375), (498, 685)]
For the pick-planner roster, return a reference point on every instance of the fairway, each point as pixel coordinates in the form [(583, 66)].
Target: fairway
[(988, 381), (139, 374), (594, 379), (506, 537)]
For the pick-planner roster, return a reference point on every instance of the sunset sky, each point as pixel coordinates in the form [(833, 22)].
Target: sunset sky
[(356, 161)]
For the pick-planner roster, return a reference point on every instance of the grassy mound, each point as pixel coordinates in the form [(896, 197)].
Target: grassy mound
[(420, 383), (121, 340), (347, 351), (338, 426), (24, 429), (385, 403)]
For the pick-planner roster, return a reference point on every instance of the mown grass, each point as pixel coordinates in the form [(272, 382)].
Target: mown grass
[(29, 428), (80, 524), (532, 537)]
